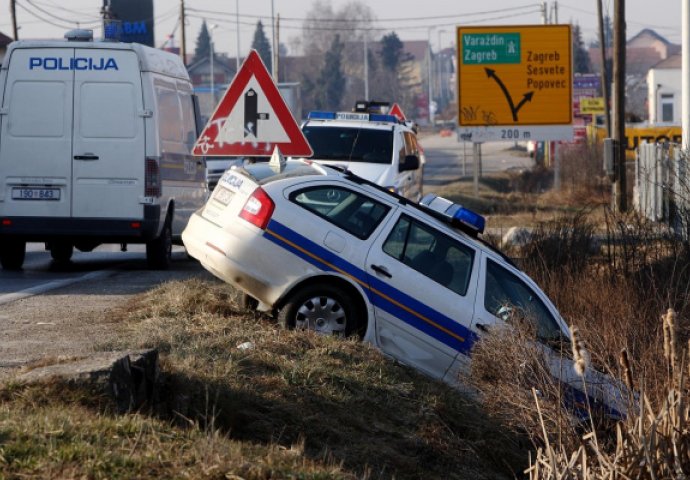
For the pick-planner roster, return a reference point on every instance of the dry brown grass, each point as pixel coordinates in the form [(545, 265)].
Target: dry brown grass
[(293, 405), (653, 442), (507, 365)]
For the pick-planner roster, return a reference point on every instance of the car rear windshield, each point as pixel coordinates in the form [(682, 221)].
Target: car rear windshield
[(263, 173), (350, 144)]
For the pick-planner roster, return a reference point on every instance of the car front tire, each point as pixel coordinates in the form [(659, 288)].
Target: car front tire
[(322, 308)]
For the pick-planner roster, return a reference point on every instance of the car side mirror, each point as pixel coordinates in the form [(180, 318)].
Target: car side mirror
[(411, 163)]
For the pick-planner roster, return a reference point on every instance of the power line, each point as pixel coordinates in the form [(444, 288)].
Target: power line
[(52, 3), (50, 22), (370, 28), (40, 9), (645, 24), (344, 20)]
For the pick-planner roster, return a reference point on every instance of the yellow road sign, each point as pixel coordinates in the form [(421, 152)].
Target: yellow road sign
[(592, 105), (514, 75)]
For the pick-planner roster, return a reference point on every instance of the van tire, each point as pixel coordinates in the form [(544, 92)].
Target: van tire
[(12, 253), (329, 310), (61, 252), (159, 250)]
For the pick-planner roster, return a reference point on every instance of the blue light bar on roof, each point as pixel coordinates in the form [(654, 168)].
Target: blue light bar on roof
[(321, 115), (455, 214), (352, 116), (378, 117)]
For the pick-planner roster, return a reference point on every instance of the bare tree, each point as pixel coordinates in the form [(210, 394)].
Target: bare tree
[(352, 23)]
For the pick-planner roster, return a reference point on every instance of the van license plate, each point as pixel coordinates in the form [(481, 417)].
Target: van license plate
[(25, 193)]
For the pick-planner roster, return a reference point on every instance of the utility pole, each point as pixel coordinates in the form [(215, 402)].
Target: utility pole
[(13, 13), (237, 26), (273, 43), (619, 186), (431, 113), (685, 69), (366, 67), (277, 52), (604, 73), (183, 36)]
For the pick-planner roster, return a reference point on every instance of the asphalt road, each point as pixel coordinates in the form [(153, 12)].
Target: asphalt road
[(40, 274), (449, 160)]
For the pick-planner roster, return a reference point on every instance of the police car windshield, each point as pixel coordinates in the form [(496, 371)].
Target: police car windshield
[(350, 144)]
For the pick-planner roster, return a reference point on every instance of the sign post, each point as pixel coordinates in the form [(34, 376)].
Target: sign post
[(515, 83)]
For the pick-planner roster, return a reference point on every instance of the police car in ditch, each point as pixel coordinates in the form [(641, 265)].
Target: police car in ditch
[(329, 251), (371, 144)]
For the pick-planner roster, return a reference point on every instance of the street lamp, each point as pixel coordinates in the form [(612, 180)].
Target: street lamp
[(211, 59)]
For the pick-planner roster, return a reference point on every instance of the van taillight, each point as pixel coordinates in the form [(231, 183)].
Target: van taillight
[(152, 178), (258, 209)]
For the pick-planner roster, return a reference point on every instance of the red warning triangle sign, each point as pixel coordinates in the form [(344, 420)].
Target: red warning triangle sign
[(397, 111), (252, 119)]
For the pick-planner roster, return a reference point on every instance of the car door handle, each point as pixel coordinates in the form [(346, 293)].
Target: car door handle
[(482, 327), (382, 270), (86, 156)]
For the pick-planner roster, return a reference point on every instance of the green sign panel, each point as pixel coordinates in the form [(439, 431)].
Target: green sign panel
[(490, 48)]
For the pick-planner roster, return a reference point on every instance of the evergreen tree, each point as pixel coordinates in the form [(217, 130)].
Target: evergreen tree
[(582, 62), (203, 43), (262, 45), (332, 79), (391, 51)]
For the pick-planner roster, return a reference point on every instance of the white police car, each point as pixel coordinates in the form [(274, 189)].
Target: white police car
[(374, 146), (332, 252)]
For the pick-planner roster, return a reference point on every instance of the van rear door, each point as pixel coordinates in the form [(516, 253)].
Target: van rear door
[(35, 128), (109, 138)]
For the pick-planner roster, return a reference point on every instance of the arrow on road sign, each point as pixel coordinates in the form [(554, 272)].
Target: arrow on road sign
[(514, 109), (252, 119)]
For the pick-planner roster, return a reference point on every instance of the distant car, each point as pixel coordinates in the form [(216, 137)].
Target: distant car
[(377, 147), (329, 251)]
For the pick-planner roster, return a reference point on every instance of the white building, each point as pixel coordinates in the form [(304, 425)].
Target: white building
[(664, 90)]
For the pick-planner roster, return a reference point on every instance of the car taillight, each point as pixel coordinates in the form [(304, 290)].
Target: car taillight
[(258, 209), (152, 178)]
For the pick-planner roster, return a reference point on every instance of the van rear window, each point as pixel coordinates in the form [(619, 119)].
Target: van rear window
[(350, 144)]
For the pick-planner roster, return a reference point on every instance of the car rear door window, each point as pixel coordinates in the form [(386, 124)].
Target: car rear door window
[(354, 212), (431, 253)]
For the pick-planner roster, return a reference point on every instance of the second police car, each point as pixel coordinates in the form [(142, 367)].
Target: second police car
[(372, 144), (328, 251)]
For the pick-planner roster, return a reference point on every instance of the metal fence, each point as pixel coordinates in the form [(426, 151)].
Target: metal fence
[(662, 188)]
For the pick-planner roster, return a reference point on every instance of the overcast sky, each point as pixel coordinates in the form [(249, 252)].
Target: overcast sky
[(411, 20)]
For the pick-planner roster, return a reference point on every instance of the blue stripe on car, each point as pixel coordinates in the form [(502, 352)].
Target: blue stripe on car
[(382, 295)]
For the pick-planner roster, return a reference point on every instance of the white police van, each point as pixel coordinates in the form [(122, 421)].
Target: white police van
[(373, 145), (95, 147)]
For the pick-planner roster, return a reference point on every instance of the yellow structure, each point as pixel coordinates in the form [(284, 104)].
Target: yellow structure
[(514, 75)]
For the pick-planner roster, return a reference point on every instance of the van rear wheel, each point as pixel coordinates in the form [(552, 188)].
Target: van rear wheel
[(61, 251), (159, 251), (12, 253)]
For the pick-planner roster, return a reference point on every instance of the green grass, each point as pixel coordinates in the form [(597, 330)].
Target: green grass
[(296, 405)]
